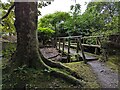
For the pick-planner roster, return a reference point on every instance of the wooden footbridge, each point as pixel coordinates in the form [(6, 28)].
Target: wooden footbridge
[(74, 45)]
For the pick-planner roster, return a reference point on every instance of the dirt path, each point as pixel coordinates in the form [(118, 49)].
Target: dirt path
[(106, 77)]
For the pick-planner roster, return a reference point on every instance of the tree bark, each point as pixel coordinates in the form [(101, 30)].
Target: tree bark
[(26, 25)]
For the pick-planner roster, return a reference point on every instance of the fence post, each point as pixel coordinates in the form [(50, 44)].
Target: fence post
[(82, 51), (63, 46), (96, 49), (68, 56), (59, 45), (77, 49)]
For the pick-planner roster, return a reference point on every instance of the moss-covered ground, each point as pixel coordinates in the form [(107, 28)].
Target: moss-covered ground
[(85, 72), (114, 62), (29, 78)]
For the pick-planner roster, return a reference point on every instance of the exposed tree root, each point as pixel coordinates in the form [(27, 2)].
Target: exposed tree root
[(50, 65), (59, 66), (53, 56), (68, 78)]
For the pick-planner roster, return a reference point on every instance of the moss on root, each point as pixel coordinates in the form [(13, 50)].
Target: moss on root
[(19, 75), (29, 78), (84, 71)]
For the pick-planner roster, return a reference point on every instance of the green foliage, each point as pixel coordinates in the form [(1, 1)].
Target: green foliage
[(45, 34), (22, 69), (54, 21), (104, 17), (45, 30), (7, 23), (9, 50)]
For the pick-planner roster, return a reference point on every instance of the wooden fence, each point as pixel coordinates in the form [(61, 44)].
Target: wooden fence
[(79, 43)]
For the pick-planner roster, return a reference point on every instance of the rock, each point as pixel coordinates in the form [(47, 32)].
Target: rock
[(101, 70)]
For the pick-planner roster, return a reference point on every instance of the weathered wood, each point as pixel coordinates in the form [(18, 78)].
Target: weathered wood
[(68, 56), (90, 37), (63, 46), (71, 37), (80, 44), (90, 45), (82, 51), (77, 48), (59, 44), (96, 49)]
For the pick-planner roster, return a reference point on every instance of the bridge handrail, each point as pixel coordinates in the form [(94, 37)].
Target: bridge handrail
[(79, 37)]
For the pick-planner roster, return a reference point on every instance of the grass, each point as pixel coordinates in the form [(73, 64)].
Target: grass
[(85, 72), (114, 62)]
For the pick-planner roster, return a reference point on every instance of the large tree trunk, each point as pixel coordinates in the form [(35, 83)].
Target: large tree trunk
[(26, 25), (27, 52)]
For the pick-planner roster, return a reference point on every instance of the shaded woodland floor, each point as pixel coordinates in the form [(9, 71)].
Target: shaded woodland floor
[(93, 74)]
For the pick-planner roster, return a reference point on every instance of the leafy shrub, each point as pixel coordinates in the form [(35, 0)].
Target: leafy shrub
[(45, 34), (9, 50)]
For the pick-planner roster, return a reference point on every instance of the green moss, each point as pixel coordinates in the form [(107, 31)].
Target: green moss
[(32, 79), (113, 62), (21, 77), (85, 72)]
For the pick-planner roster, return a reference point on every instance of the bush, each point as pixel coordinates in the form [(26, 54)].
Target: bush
[(9, 50), (44, 34)]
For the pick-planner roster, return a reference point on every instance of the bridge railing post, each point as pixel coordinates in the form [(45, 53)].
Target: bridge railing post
[(68, 56), (82, 51), (63, 46), (59, 45), (96, 49), (77, 49)]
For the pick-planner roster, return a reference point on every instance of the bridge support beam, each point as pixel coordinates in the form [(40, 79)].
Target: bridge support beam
[(63, 46), (96, 49), (59, 45), (68, 56), (82, 51)]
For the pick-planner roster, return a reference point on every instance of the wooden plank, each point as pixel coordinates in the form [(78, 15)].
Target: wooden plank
[(71, 37), (90, 37), (89, 56), (90, 45)]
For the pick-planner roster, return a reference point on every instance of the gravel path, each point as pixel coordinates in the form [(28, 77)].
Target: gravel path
[(106, 77)]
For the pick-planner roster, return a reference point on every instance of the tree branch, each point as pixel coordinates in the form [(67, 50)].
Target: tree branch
[(7, 12)]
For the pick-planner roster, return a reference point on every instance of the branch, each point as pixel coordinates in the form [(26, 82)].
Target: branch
[(7, 12)]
